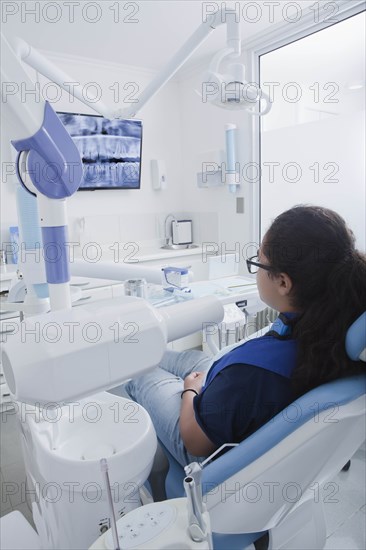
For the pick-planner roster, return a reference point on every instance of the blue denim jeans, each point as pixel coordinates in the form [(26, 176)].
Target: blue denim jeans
[(158, 391)]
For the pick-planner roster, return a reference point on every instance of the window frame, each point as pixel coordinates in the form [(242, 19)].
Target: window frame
[(282, 35)]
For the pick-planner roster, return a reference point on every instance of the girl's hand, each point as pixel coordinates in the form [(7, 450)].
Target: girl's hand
[(194, 381), (194, 438)]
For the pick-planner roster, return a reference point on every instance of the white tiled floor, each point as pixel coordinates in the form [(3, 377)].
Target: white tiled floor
[(344, 498)]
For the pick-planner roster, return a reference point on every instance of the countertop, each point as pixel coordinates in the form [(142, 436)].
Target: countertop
[(228, 290), (134, 252)]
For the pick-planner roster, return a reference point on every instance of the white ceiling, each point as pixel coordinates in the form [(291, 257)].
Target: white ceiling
[(161, 27)]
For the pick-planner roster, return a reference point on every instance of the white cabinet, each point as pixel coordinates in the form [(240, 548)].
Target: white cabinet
[(8, 323), (6, 326), (97, 289), (5, 396)]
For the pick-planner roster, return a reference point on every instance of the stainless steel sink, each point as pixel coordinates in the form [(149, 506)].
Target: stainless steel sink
[(179, 246)]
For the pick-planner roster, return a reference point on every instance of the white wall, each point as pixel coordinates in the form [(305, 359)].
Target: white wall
[(177, 128), (116, 215), (203, 131)]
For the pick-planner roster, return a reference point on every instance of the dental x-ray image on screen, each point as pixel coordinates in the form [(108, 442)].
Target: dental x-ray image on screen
[(110, 150)]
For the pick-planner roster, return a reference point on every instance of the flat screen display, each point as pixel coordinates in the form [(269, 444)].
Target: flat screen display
[(110, 150)]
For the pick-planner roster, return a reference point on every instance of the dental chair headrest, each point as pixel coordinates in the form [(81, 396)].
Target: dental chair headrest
[(356, 339)]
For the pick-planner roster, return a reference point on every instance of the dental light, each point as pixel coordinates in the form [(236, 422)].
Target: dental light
[(227, 90), (230, 90)]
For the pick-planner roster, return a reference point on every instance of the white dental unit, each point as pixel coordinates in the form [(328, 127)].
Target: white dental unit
[(59, 360)]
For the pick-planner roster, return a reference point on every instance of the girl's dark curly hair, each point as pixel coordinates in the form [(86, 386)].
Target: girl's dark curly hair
[(314, 246)]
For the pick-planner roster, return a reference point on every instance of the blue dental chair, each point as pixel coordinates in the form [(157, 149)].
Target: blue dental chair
[(267, 490)]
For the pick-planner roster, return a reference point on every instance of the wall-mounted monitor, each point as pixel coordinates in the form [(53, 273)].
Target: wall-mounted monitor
[(110, 150)]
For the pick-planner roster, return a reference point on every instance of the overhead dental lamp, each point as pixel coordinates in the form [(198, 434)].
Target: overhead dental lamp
[(227, 90), (230, 90)]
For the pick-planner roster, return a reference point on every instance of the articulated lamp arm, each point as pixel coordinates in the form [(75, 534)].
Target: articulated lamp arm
[(17, 51), (184, 53)]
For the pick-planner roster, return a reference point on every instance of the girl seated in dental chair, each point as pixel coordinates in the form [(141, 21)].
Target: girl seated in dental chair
[(309, 270)]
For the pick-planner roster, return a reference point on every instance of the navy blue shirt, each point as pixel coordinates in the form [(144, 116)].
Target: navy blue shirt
[(239, 400)]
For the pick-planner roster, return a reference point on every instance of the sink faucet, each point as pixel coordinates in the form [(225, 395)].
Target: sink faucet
[(168, 238)]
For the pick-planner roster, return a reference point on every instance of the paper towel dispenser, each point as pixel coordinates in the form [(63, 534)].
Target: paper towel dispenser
[(182, 231)]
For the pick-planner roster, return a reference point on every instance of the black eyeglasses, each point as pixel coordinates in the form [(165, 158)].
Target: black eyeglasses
[(253, 265)]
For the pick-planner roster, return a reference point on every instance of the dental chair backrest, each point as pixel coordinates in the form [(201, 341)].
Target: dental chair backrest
[(272, 481), (356, 339)]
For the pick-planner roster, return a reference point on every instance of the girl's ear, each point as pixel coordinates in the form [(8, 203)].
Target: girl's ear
[(284, 284)]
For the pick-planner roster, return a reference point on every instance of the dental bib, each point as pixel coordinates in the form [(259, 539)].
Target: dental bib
[(276, 351)]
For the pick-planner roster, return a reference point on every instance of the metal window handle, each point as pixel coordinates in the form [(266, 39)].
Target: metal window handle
[(83, 298)]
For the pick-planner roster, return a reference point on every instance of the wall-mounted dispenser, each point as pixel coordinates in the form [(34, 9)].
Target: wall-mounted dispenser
[(209, 165), (218, 168), (158, 174)]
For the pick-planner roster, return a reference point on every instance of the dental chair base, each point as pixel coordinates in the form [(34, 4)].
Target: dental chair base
[(160, 526), (62, 459)]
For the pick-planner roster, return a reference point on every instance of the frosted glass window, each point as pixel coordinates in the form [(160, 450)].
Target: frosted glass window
[(313, 139)]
